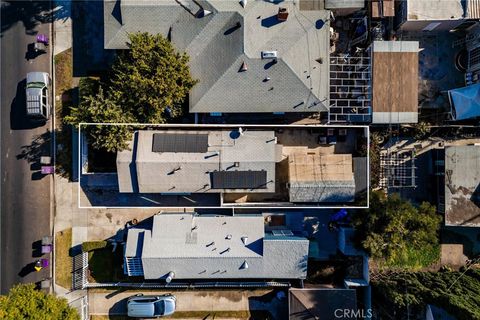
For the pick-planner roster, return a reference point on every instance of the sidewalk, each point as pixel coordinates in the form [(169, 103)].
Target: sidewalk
[(62, 26)]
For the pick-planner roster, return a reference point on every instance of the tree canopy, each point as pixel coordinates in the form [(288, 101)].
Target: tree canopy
[(149, 77), (394, 229), (24, 302), (102, 109), (456, 293), (147, 84)]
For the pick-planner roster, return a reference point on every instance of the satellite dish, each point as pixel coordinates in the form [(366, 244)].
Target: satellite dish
[(243, 3)]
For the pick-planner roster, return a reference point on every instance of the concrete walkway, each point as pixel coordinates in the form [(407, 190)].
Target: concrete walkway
[(114, 302), (62, 26)]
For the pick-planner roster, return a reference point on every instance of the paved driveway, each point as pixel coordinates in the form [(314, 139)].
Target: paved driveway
[(114, 302)]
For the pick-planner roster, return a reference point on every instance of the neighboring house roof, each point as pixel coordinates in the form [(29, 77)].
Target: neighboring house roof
[(462, 186), (220, 43), (465, 102), (344, 4), (207, 247), (314, 177), (189, 161), (395, 82), (313, 304), (435, 9), (473, 9)]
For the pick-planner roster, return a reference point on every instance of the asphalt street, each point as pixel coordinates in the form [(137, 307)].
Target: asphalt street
[(25, 192)]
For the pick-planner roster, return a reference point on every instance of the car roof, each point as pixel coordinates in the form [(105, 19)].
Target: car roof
[(139, 309)]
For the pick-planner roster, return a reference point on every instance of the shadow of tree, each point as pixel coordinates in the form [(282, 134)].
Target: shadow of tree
[(32, 13), (40, 146)]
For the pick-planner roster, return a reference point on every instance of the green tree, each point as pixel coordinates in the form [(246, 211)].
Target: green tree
[(150, 77), (24, 302), (101, 108), (396, 231), (456, 292)]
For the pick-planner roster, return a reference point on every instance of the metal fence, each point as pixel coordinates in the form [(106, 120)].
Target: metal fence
[(193, 285), (79, 273)]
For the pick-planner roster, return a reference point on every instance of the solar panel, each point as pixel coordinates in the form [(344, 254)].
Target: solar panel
[(239, 179), (180, 142)]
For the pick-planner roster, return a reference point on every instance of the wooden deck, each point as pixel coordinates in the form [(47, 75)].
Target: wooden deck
[(395, 82)]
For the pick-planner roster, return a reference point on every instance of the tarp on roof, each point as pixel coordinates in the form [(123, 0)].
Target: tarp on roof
[(465, 102)]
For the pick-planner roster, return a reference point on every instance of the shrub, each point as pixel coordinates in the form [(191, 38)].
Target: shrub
[(93, 245)]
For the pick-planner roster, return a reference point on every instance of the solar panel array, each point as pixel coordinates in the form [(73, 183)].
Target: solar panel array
[(180, 142), (239, 179)]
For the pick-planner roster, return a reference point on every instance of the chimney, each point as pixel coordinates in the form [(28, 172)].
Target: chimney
[(243, 67), (282, 14)]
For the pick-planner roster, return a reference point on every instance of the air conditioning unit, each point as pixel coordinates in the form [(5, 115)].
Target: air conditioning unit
[(269, 54)]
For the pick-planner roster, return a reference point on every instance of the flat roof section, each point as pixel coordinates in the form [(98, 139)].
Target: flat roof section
[(251, 159), (215, 247), (189, 161), (462, 186), (313, 166)]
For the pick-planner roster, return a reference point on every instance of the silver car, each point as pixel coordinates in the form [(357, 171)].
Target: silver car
[(140, 306), (38, 104)]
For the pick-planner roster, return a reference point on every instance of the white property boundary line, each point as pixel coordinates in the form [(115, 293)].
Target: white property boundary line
[(216, 126)]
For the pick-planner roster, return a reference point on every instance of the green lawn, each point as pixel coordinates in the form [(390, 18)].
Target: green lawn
[(63, 261)]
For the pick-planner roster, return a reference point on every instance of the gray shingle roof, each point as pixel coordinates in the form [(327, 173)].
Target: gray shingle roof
[(218, 46), (202, 247), (462, 185)]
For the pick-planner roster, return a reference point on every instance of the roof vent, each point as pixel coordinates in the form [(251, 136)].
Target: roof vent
[(228, 237), (170, 277), (202, 13), (282, 14), (244, 265), (269, 54), (245, 240), (243, 67)]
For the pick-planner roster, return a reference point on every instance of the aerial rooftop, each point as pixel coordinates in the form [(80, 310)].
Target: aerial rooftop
[(225, 41), (462, 185), (190, 161), (249, 166), (214, 247)]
